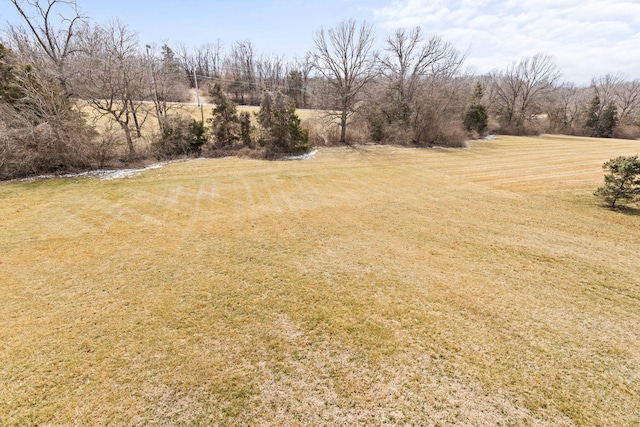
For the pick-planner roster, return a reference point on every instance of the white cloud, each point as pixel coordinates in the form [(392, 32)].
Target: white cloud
[(588, 38)]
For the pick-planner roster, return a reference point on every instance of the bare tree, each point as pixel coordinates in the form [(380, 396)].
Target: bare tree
[(539, 76), (241, 70), (52, 25), (628, 94), (187, 62), (419, 95), (520, 92), (410, 60), (112, 77), (343, 57), (605, 87), (438, 108), (297, 80), (624, 94), (566, 110), (209, 58), (168, 82), (271, 73), (204, 62)]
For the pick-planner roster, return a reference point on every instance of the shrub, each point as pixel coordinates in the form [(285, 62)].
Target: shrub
[(626, 131), (251, 153), (433, 130), (107, 146), (621, 180), (476, 118), (181, 135)]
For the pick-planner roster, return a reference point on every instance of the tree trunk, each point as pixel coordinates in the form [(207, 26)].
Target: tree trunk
[(124, 124), (135, 119), (127, 134)]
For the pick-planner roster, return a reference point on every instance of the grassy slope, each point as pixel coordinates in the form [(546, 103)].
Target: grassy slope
[(365, 286)]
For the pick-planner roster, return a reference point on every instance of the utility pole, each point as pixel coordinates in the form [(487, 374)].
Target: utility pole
[(155, 89), (195, 79)]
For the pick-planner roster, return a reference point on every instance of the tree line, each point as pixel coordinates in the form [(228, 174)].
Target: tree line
[(75, 94)]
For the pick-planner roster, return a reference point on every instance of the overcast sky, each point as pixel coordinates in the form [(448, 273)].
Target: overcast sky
[(586, 37)]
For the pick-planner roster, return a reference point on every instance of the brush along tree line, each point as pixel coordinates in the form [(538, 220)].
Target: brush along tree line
[(77, 95)]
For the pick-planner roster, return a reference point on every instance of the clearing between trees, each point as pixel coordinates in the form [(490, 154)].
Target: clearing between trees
[(366, 286)]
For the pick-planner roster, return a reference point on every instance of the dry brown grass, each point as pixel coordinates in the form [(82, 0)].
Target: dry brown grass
[(150, 129), (367, 286)]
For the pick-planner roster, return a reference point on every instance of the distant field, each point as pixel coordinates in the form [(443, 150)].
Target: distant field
[(150, 123), (367, 286)]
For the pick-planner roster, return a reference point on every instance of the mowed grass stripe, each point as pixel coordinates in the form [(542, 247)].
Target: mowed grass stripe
[(551, 159), (367, 286)]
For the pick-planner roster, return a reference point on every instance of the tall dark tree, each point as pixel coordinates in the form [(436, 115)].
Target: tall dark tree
[(475, 116), (601, 120), (281, 125), (296, 86), (608, 120), (225, 123), (593, 115), (298, 81), (246, 129)]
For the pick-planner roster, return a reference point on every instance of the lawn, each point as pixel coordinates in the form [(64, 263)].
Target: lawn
[(367, 286)]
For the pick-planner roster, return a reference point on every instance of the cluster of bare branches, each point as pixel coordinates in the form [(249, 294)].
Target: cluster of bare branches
[(576, 110), (50, 31), (244, 74), (521, 92), (40, 131), (103, 65)]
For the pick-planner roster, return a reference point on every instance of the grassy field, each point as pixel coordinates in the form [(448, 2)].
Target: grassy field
[(367, 286)]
